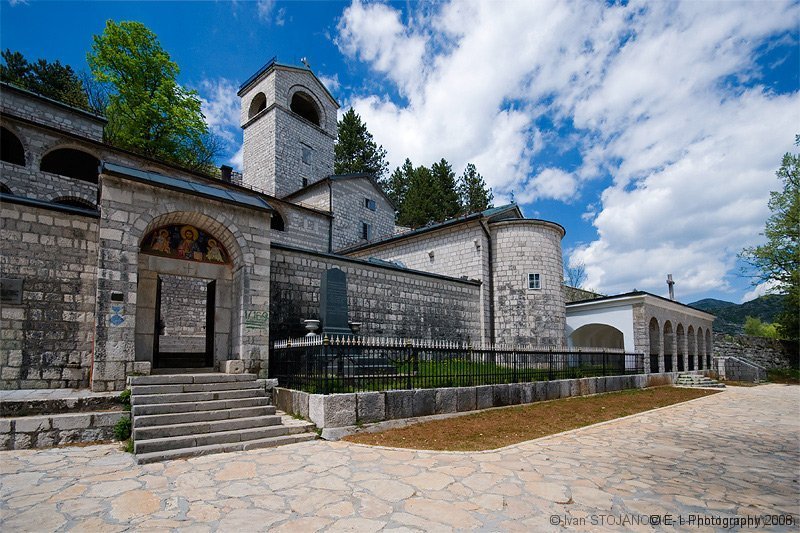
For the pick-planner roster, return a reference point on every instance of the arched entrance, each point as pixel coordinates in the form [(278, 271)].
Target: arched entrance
[(655, 344), (701, 348), (681, 338), (184, 297), (669, 348), (691, 345), (597, 336)]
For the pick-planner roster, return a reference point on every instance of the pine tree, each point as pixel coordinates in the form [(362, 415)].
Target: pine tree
[(50, 79), (355, 150), (420, 206), (475, 196), (445, 193), (396, 185)]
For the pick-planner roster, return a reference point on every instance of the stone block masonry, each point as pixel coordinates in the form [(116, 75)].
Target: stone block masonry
[(44, 431), (341, 414), (47, 339), (768, 353), (387, 301)]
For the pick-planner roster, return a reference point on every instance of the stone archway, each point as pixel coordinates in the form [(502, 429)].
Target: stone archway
[(691, 348), (655, 345), (185, 294), (669, 347), (701, 348), (597, 336), (681, 345)]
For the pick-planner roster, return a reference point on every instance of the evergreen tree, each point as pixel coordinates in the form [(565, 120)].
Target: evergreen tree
[(475, 196), (420, 205), (52, 80), (355, 150), (778, 260), (445, 193), (396, 186), (148, 111)]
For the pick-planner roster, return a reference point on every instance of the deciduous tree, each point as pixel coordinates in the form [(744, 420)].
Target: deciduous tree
[(148, 111)]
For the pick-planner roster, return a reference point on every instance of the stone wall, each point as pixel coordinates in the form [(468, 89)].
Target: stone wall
[(303, 228), (350, 212), (183, 305), (44, 431), (388, 301), (47, 340), (523, 315), (340, 414), (768, 353)]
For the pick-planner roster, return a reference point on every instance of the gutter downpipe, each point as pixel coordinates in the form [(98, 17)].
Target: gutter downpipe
[(490, 252), (330, 220)]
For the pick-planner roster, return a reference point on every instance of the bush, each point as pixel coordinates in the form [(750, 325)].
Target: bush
[(122, 430), (125, 398)]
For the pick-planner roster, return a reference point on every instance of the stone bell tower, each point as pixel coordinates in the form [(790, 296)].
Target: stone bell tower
[(289, 123)]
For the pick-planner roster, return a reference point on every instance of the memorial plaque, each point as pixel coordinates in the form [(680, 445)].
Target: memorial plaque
[(333, 310), (10, 291)]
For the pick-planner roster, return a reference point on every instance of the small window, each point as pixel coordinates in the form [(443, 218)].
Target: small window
[(534, 282), (366, 231), (308, 154), (305, 182), (370, 204)]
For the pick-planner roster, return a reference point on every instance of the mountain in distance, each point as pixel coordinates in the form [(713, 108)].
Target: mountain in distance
[(731, 316)]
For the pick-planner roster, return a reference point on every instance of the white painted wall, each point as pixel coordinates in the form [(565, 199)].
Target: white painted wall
[(619, 316)]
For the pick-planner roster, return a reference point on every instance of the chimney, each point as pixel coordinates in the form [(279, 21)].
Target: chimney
[(225, 172), (671, 284)]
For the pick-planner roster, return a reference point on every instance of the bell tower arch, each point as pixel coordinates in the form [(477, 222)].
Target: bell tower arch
[(289, 123)]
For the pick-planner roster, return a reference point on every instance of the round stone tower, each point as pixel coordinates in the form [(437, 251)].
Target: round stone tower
[(289, 123), (527, 275)]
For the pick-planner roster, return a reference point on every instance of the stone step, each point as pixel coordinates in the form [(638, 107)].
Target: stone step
[(218, 437), (188, 407), (141, 421), (138, 390), (202, 427), (268, 442), (177, 379), (183, 397)]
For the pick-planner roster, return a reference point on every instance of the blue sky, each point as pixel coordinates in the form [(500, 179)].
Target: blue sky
[(650, 130)]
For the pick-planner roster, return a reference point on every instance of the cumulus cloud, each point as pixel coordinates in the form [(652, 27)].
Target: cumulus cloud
[(220, 105), (761, 289), (661, 101)]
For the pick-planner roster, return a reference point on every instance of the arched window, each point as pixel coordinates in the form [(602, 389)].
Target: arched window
[(72, 163), (257, 105), (304, 105), (11, 149), (277, 222), (74, 201)]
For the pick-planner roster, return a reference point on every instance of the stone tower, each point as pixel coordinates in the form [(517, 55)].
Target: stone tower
[(289, 123)]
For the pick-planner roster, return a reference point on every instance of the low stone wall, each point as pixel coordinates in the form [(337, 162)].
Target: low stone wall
[(736, 369), (354, 409), (768, 353), (52, 430)]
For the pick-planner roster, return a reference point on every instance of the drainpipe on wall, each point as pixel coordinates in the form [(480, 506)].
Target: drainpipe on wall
[(330, 220), (490, 252)]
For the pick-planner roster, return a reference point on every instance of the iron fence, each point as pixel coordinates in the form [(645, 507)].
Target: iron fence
[(357, 364)]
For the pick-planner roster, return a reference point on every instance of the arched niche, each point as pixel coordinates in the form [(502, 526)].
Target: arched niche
[(72, 163), (305, 106), (257, 105), (11, 149), (598, 336)]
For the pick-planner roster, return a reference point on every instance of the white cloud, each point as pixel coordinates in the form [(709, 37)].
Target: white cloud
[(643, 87), (330, 82), (221, 107), (280, 17), (759, 290)]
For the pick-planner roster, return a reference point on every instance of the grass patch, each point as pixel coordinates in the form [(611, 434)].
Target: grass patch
[(790, 376), (488, 430)]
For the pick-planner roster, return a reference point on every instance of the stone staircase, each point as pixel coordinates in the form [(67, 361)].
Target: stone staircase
[(185, 415), (695, 380)]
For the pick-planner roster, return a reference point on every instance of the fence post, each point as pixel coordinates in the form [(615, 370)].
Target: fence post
[(515, 355), (411, 362), (550, 365), (326, 342)]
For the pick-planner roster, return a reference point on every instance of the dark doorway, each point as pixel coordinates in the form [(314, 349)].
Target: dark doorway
[(184, 322)]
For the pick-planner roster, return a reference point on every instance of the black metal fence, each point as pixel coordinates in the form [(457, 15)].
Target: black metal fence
[(356, 364)]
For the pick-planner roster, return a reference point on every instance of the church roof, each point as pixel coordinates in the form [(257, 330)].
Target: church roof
[(633, 295), (503, 212), (342, 177), (229, 196), (273, 63)]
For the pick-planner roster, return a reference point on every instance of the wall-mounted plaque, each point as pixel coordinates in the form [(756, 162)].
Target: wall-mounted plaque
[(11, 291)]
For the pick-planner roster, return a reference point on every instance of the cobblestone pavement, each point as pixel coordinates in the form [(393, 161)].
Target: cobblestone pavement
[(731, 454)]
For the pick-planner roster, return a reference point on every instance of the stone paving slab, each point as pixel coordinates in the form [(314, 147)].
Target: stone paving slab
[(733, 454)]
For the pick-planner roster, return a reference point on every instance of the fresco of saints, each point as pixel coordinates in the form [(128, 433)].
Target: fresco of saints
[(160, 242), (214, 253), (189, 249)]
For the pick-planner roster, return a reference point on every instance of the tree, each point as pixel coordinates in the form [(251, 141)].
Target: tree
[(420, 205), (355, 150), (575, 276), (755, 327), (778, 260), (445, 194), (148, 111), (50, 79), (396, 186), (474, 194)]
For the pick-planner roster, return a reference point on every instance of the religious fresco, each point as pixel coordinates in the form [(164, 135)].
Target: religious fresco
[(185, 242)]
